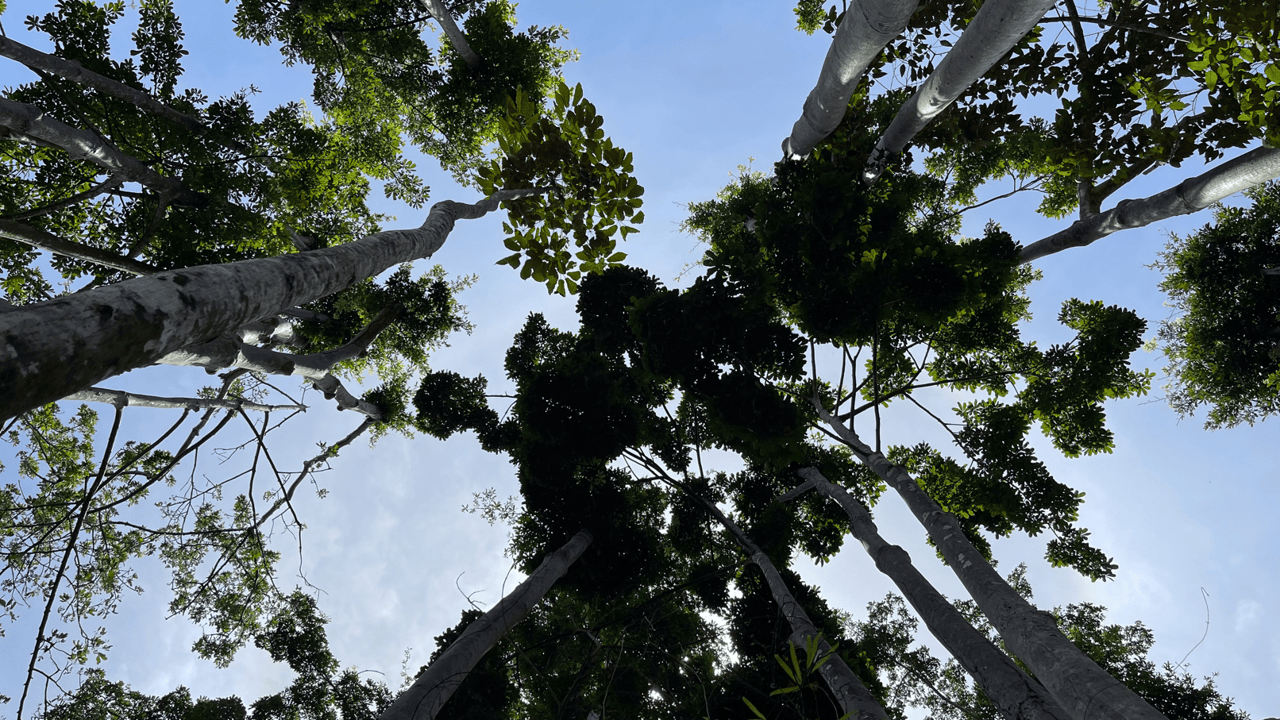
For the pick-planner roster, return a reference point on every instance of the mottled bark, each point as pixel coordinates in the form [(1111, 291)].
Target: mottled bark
[(51, 349), (120, 398), (30, 121), (1191, 195), (440, 14), (76, 73), (1082, 688), (868, 25), (432, 688), (853, 696), (1015, 694), (997, 27)]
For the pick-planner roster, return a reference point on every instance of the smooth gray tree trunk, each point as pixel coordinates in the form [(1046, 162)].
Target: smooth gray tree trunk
[(29, 121), (1017, 695), (38, 238), (853, 696), (432, 688), (49, 350), (459, 41), (1191, 195), (867, 27), (1085, 690), (997, 27)]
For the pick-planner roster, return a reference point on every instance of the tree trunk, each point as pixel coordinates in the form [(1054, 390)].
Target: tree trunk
[(55, 348), (997, 27), (433, 687), (867, 27), (38, 238), (30, 121), (1085, 690), (1018, 696), (459, 41), (854, 698), (1191, 195)]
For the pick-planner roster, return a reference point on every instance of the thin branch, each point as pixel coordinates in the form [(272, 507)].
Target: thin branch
[(111, 183), (38, 238), (1120, 25), (120, 398)]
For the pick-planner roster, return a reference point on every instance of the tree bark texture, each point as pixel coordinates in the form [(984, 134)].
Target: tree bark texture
[(38, 238), (51, 349), (1191, 195), (1018, 696), (30, 121), (1085, 690), (867, 27), (997, 27), (854, 697), (76, 73), (459, 41), (428, 693)]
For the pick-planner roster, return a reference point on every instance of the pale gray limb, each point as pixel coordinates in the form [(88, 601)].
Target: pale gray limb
[(428, 693), (30, 121), (868, 26), (111, 183), (854, 698), (76, 73), (120, 398), (1017, 696), (52, 349), (38, 238), (440, 14), (997, 27), (1191, 195), (1085, 690)]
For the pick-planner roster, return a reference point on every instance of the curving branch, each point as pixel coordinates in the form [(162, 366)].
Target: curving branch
[(111, 183), (35, 237), (30, 121), (1191, 195), (868, 26)]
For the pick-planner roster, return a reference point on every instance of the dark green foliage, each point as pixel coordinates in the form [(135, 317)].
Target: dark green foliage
[(588, 189), (1224, 345)]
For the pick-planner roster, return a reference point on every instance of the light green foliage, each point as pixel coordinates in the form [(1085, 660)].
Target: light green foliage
[(1223, 345), (589, 192), (1237, 51), (378, 79)]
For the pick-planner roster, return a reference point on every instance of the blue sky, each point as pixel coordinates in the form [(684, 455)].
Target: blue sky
[(694, 90)]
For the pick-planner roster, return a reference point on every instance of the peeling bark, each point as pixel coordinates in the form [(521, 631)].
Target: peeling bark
[(440, 14), (997, 27), (1191, 195), (30, 121), (38, 238), (867, 27), (1017, 695), (51, 349), (1085, 690), (430, 691)]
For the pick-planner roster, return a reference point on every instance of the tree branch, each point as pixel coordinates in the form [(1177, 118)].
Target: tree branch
[(38, 238), (121, 399)]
